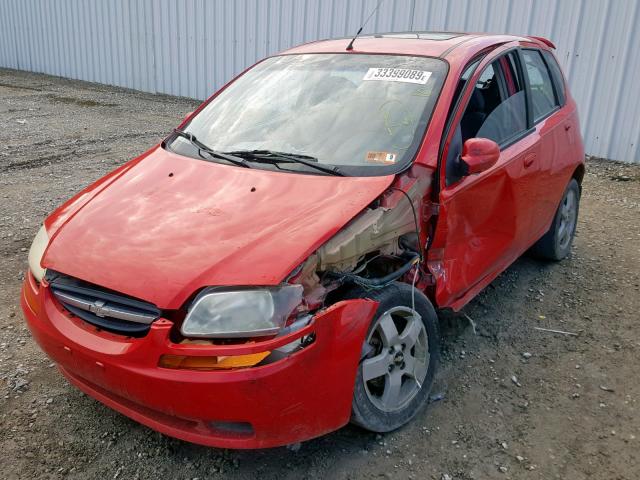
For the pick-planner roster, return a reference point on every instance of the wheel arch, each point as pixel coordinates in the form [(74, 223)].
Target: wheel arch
[(578, 175)]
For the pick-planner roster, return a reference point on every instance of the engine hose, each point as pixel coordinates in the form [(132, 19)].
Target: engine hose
[(382, 281)]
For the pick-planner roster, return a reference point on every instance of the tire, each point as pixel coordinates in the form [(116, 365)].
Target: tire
[(556, 243), (371, 408)]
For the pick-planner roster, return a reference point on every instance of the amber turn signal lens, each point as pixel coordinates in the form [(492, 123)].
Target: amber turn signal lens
[(31, 295), (211, 363)]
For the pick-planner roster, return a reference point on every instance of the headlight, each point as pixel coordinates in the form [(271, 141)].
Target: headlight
[(241, 313), (36, 252)]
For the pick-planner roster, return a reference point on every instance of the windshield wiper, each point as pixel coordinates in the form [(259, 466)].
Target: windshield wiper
[(273, 156), (214, 153)]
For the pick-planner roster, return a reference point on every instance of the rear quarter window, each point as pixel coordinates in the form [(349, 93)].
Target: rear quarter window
[(556, 75), (543, 97)]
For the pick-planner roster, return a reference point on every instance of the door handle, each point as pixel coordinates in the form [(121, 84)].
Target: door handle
[(567, 127), (529, 159)]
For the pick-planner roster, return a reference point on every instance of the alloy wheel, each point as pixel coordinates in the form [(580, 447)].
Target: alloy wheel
[(398, 361), (568, 216)]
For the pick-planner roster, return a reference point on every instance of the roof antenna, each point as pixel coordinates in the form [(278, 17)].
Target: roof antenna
[(350, 46)]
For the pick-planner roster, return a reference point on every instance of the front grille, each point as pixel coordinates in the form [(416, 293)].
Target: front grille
[(103, 308)]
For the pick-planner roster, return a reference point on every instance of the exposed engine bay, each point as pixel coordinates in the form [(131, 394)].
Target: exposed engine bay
[(384, 243)]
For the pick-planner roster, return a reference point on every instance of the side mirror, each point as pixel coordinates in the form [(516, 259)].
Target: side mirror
[(479, 154)]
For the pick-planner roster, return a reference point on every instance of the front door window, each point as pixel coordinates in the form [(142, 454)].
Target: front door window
[(497, 110), (497, 107)]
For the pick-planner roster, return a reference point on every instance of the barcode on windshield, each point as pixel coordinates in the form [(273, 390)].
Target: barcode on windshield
[(397, 75)]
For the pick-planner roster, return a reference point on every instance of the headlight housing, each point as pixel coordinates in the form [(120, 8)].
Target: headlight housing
[(38, 246), (250, 312)]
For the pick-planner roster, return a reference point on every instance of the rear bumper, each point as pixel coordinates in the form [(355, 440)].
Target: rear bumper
[(302, 396)]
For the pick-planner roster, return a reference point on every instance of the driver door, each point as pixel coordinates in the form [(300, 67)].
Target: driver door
[(484, 219)]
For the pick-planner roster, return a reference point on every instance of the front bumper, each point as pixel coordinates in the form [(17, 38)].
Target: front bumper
[(302, 396)]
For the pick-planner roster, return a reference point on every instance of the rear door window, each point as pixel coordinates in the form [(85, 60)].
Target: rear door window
[(543, 97)]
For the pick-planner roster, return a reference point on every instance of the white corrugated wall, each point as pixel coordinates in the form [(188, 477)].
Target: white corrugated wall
[(192, 47)]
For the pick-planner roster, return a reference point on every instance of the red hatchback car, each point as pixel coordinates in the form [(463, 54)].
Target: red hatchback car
[(272, 270)]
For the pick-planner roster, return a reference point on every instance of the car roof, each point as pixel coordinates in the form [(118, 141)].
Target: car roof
[(430, 44)]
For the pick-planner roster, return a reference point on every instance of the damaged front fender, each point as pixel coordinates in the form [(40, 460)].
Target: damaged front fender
[(379, 227)]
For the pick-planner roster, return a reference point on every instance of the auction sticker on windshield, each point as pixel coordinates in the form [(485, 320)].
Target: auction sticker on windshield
[(381, 157), (397, 75)]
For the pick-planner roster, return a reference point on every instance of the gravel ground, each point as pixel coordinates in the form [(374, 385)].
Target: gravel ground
[(511, 401)]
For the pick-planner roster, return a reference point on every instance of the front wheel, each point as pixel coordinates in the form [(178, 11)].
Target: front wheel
[(401, 353)]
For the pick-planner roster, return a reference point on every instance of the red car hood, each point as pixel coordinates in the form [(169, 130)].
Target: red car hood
[(169, 225)]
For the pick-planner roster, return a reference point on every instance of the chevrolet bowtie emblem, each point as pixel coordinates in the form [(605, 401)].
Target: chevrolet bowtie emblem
[(98, 308)]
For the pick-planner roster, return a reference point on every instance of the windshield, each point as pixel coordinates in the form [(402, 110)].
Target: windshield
[(365, 114)]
